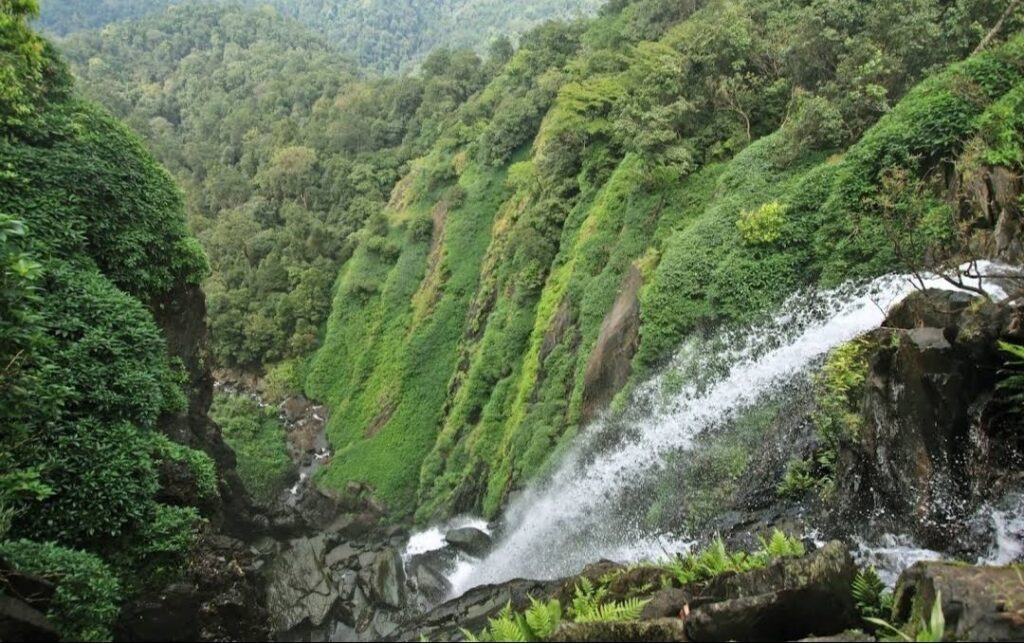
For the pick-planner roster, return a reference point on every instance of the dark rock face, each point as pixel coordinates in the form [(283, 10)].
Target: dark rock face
[(610, 362), (929, 449), (24, 600), (472, 541), (220, 599), (789, 599), (181, 314), (978, 603), (222, 595)]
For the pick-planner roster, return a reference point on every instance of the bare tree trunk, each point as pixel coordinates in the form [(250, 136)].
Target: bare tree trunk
[(998, 26)]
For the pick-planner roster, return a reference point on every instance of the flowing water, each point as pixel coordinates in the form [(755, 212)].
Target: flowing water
[(592, 506)]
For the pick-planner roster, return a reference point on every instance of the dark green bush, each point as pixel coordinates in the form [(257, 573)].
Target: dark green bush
[(88, 594)]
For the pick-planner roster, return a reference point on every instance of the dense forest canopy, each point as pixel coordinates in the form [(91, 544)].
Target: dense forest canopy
[(381, 35), (283, 148)]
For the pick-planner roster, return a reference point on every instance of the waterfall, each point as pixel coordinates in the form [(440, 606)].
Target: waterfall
[(591, 506)]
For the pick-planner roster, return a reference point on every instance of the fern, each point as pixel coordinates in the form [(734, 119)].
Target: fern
[(589, 606), (781, 546), (870, 594), (930, 631), (1013, 380), (538, 623), (543, 618)]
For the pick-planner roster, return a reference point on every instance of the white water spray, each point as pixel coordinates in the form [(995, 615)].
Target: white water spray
[(575, 517)]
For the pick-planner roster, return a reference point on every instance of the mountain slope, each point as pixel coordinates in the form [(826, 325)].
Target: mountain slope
[(643, 177)]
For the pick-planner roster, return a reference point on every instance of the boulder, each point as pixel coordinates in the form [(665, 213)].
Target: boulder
[(657, 630), (472, 541), (666, 603), (920, 452), (789, 599), (21, 622), (978, 603), (387, 578), (300, 588)]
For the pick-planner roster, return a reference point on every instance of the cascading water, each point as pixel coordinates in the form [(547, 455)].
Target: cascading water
[(591, 506)]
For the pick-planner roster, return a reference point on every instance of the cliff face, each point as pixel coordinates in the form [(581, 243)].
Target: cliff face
[(181, 315)]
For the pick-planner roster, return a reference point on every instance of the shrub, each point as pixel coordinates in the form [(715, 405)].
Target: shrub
[(202, 466), (88, 594), (157, 551), (259, 442), (762, 225)]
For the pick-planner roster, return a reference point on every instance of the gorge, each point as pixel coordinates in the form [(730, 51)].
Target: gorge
[(659, 320)]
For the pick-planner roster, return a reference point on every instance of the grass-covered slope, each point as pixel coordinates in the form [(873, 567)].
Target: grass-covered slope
[(92, 232), (723, 153)]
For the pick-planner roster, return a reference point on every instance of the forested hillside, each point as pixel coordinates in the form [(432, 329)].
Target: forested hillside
[(283, 149), (381, 35), (619, 185), (93, 240), (522, 237)]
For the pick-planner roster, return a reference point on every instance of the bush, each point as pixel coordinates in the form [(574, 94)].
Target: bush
[(762, 225), (102, 482), (259, 442), (158, 550), (202, 466), (88, 594)]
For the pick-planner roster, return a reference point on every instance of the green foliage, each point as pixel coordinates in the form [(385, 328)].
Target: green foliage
[(259, 442), (797, 480), (715, 559), (202, 466), (1012, 382), (537, 623), (873, 599), (88, 594), (158, 551), (932, 629), (590, 605), (92, 240), (839, 385), (762, 225), (382, 35)]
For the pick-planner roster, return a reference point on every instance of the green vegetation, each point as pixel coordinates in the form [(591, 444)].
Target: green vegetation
[(592, 601), (537, 623), (756, 171), (259, 443), (92, 233), (88, 596), (716, 559), (932, 629), (381, 35), (438, 258), (872, 597)]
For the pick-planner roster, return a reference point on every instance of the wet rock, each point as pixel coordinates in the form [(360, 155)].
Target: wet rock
[(21, 622), (662, 629), (472, 541), (387, 578), (300, 588), (472, 610), (341, 554), (430, 584), (930, 308), (978, 603), (610, 362), (295, 408), (789, 599), (666, 603)]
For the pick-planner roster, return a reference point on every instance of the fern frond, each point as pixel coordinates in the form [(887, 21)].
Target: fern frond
[(506, 629)]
